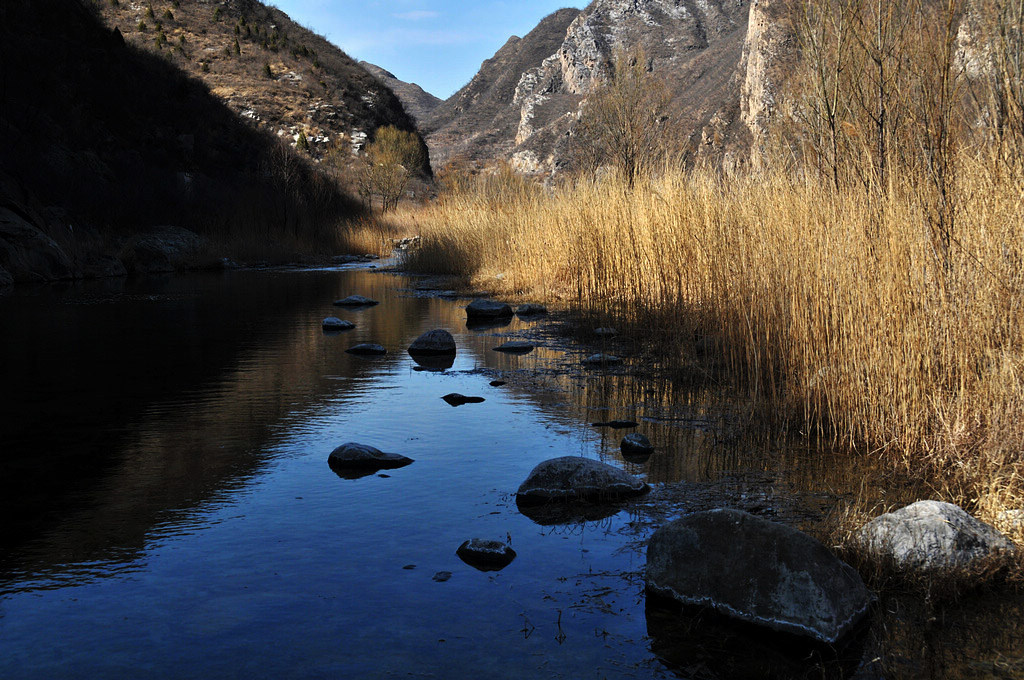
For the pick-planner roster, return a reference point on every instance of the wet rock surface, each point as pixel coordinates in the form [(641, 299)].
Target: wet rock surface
[(531, 309), (356, 301), (757, 571), (515, 347), (486, 555), (572, 478), (488, 309), (367, 349), (333, 323), (931, 535), (353, 457), (601, 360), (456, 399), (437, 341), (636, 445)]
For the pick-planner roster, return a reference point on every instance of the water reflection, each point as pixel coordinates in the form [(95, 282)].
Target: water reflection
[(171, 513)]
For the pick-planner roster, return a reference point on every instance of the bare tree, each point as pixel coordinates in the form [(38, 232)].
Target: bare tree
[(625, 121)]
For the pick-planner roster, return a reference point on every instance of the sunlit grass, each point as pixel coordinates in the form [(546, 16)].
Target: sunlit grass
[(833, 310)]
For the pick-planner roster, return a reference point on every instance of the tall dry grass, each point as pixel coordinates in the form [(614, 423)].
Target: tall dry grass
[(831, 308)]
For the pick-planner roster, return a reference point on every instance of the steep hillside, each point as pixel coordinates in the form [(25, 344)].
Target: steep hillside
[(480, 121), (695, 45), (264, 66), (418, 102), (101, 143)]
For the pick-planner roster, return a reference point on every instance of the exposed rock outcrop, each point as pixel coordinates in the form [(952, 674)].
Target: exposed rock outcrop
[(418, 102)]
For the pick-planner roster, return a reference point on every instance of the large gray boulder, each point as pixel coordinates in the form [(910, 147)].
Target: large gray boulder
[(437, 341), (931, 535), (757, 571), (360, 457), (488, 309), (572, 478)]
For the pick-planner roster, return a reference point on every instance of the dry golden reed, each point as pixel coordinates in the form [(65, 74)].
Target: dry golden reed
[(832, 308)]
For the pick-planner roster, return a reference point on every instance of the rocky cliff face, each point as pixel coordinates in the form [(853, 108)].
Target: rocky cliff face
[(271, 71), (696, 45), (418, 102)]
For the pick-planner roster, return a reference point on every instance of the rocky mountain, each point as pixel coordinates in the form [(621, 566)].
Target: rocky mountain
[(270, 70), (418, 102), (113, 160), (523, 104), (481, 120)]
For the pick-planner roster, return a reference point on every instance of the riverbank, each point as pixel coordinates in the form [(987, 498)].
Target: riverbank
[(833, 312)]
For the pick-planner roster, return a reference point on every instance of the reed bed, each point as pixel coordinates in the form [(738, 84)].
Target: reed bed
[(835, 311)]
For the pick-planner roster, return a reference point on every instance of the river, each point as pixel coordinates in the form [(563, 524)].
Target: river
[(169, 511)]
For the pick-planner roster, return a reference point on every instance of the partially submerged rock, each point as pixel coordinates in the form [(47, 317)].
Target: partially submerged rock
[(356, 301), (617, 424), (353, 457), (496, 383), (932, 535), (572, 478), (601, 360), (531, 309), (456, 399), (605, 332), (435, 342), (515, 347), (333, 323), (757, 571), (486, 555), (636, 445), (367, 349), (488, 309)]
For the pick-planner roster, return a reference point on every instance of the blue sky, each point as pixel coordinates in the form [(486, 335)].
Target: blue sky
[(437, 44)]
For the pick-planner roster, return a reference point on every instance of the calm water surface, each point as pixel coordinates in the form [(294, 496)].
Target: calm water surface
[(169, 511)]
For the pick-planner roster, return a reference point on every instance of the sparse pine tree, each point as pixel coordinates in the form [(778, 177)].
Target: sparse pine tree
[(302, 143), (238, 48), (161, 39), (267, 72), (149, 12), (168, 15), (217, 14), (143, 26), (115, 3), (205, 68)]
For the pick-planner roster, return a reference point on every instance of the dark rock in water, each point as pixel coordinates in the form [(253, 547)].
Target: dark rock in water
[(488, 309), (531, 309), (347, 259), (496, 383), (930, 535), (432, 364), (456, 399), (636, 445), (557, 513), (333, 323), (356, 301), (483, 324), (601, 360), (515, 347), (572, 478), (367, 349), (617, 424), (441, 576), (486, 555), (726, 648), (409, 567), (353, 457), (437, 341), (605, 332), (757, 571), (161, 249)]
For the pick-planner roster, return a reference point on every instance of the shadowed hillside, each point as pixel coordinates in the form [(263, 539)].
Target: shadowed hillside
[(100, 141)]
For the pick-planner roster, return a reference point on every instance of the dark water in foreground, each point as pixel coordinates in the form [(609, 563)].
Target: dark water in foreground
[(169, 512)]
